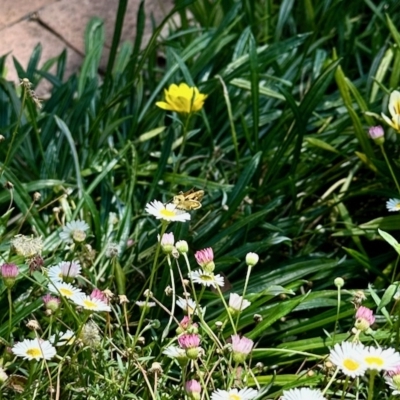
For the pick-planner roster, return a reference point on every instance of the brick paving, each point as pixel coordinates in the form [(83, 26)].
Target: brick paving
[(61, 24)]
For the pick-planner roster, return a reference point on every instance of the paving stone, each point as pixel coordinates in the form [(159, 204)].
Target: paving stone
[(12, 11), (58, 18), (20, 40)]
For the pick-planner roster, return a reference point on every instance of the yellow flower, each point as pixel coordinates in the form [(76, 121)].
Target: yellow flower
[(394, 109), (182, 99)]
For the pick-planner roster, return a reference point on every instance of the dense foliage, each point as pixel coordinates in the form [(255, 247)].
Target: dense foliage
[(280, 148)]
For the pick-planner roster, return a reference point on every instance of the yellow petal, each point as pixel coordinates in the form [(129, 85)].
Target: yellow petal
[(164, 105)]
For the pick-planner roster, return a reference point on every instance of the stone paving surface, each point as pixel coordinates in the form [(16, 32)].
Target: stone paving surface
[(61, 24)]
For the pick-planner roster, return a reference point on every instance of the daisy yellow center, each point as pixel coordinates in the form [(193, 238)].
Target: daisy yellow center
[(66, 292), (374, 361), (167, 213), (350, 364), (234, 397), (208, 278), (397, 205), (89, 304), (34, 352)]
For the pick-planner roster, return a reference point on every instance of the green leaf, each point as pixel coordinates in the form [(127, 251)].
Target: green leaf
[(391, 240)]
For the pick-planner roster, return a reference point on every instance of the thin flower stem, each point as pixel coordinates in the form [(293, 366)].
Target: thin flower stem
[(166, 330), (337, 315), (203, 322), (246, 282), (9, 312), (227, 310), (345, 386), (395, 269), (390, 168), (203, 384), (330, 381), (152, 277), (182, 148)]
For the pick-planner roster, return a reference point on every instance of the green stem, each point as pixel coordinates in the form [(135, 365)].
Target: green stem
[(372, 374), (9, 312), (182, 148), (152, 277), (390, 168), (227, 310), (395, 269), (171, 317), (246, 282), (337, 315)]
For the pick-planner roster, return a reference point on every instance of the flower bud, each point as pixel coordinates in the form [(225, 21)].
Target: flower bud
[(377, 134), (193, 389), (9, 273), (339, 282), (252, 259), (182, 246)]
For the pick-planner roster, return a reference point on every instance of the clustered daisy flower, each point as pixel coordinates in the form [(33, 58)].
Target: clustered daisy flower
[(188, 305), (393, 205), (354, 359), (236, 394), (64, 271), (167, 212), (206, 278), (63, 338), (74, 231), (64, 289), (175, 352), (237, 303), (34, 349), (302, 394), (90, 303), (348, 357), (393, 380)]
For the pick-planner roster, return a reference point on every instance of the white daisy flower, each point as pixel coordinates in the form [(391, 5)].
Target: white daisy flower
[(206, 278), (238, 303), (393, 384), (54, 273), (64, 270), (174, 352), (188, 305), (90, 303), (34, 349), (381, 359), (167, 212), (349, 358), (234, 394), (64, 289), (62, 339), (74, 231), (302, 394), (149, 304), (393, 205)]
